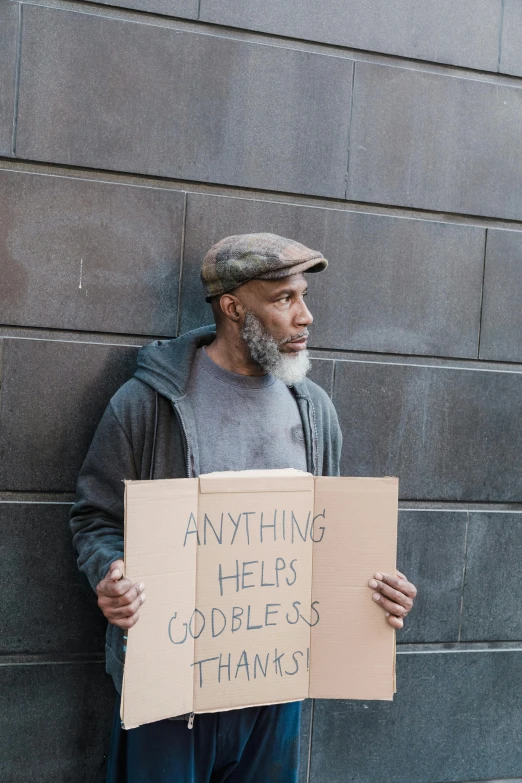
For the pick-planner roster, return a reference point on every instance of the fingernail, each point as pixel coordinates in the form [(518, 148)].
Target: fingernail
[(143, 598), (372, 583), (387, 614), (378, 576), (141, 587), (376, 597), (116, 574)]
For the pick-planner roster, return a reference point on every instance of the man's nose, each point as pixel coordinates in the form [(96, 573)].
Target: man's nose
[(305, 317)]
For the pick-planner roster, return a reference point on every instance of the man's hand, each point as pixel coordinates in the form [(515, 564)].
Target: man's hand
[(395, 594), (118, 598)]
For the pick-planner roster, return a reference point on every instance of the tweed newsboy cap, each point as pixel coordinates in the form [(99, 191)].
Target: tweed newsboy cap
[(237, 259)]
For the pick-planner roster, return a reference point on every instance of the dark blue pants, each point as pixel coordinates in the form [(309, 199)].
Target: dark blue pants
[(253, 745)]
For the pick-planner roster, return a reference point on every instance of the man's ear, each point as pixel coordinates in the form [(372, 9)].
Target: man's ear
[(231, 307)]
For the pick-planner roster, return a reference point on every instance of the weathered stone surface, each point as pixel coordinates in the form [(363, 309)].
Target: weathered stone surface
[(55, 722), (53, 396), (511, 41), (456, 717), (393, 284), (78, 254), (447, 433), (322, 373), (71, 112), (461, 34), (431, 550), (187, 9), (47, 605), (501, 309), (9, 13), (437, 142), (492, 591)]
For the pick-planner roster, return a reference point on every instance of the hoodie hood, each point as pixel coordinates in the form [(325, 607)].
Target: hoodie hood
[(165, 364)]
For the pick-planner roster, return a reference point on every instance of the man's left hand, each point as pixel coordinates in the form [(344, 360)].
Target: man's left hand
[(395, 594)]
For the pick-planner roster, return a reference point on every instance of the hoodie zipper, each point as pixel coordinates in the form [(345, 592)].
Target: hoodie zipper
[(187, 449), (315, 436)]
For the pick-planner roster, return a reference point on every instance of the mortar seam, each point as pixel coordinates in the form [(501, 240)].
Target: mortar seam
[(500, 34), (481, 311), (350, 132), (463, 583), (181, 262), (17, 80)]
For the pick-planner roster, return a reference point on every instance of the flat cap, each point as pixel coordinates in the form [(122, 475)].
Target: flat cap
[(237, 259)]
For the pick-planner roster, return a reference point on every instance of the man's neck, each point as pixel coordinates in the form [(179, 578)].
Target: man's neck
[(232, 355)]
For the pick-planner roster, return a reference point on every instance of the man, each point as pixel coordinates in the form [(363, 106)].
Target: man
[(233, 397)]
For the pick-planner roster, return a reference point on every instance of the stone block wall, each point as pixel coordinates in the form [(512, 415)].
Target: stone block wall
[(133, 135)]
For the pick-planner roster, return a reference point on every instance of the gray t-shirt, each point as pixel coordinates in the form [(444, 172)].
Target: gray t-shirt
[(244, 422)]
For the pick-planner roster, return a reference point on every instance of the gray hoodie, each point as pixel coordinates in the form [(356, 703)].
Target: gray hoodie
[(148, 431)]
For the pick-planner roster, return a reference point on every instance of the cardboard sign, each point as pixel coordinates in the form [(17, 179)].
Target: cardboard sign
[(257, 591)]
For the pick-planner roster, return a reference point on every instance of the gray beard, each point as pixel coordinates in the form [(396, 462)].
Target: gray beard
[(264, 350)]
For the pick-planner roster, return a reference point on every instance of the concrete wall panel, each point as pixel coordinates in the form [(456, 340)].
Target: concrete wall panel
[(47, 605), (448, 434), (241, 123), (322, 373), (501, 309), (494, 554), (55, 722), (53, 396), (431, 552), (461, 34), (436, 142), (455, 717), (78, 254)]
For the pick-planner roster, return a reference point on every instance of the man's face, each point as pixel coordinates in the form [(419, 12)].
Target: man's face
[(281, 308), (275, 326)]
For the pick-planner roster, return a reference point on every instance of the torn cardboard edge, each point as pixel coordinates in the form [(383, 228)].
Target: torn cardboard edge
[(257, 591)]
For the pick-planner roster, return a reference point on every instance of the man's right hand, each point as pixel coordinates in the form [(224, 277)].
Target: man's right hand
[(118, 598)]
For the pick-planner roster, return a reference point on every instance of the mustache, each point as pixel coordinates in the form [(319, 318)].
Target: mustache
[(306, 333)]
